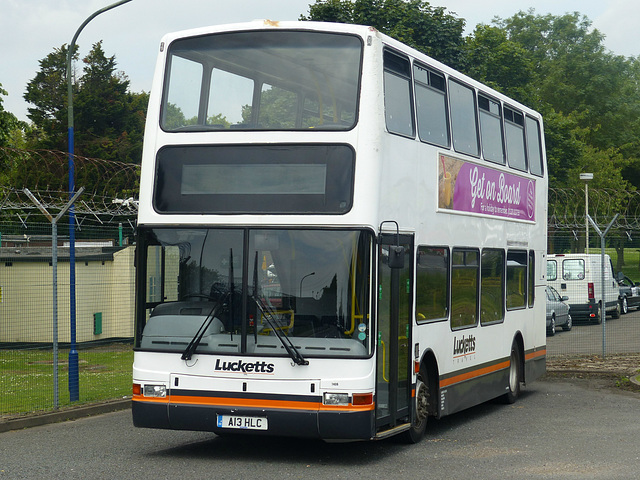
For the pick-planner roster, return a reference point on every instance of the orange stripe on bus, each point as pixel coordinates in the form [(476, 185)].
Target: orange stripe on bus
[(473, 374), (258, 403), (539, 353), (142, 398)]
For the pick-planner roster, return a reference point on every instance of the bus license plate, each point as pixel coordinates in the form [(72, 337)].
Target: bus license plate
[(242, 422)]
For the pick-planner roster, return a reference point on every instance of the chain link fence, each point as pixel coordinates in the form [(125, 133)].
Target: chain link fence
[(105, 309), (104, 288), (580, 278), (104, 316)]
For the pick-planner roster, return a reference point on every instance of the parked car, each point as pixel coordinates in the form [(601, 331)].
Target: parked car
[(580, 276), (558, 312), (629, 293)]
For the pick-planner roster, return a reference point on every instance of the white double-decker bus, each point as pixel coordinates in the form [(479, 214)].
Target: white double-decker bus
[(338, 236)]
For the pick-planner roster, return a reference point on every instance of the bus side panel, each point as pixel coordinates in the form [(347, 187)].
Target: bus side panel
[(465, 394), (534, 366)]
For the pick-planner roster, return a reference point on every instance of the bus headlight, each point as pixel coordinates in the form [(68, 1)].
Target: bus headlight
[(335, 398), (159, 391)]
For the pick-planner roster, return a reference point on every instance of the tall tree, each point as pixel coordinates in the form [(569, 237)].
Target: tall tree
[(47, 91), (590, 98), (101, 107), (109, 120), (10, 126), (578, 75), (502, 63)]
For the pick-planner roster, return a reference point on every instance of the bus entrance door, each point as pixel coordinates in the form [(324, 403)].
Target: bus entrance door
[(393, 383)]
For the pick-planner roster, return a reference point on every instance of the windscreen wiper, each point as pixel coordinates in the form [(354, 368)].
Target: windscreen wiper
[(195, 341), (288, 345)]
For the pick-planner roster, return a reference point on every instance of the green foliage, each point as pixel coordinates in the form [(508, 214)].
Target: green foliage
[(501, 63), (47, 91), (590, 97), (414, 22), (100, 108), (108, 119), (558, 65), (10, 127)]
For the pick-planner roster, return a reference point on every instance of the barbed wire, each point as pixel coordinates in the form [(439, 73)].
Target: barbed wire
[(111, 187), (111, 192), (567, 208)]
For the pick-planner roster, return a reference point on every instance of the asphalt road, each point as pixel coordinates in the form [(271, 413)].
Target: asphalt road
[(558, 429)]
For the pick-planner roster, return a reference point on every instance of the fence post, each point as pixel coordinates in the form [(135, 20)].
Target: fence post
[(604, 304), (54, 265)]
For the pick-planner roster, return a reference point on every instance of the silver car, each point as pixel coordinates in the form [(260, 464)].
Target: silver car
[(557, 312)]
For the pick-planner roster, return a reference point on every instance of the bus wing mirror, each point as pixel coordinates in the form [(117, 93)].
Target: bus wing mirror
[(396, 252)]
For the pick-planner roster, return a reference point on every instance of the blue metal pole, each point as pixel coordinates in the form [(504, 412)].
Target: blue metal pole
[(74, 381), (74, 375)]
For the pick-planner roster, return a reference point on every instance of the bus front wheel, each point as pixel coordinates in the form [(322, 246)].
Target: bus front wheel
[(421, 408)]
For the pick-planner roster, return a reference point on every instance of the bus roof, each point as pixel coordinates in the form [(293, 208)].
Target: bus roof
[(361, 30)]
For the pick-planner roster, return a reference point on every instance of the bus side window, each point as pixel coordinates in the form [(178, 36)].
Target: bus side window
[(492, 286), (398, 104), (463, 119), (516, 279), (491, 129), (464, 287), (514, 129), (532, 278), (534, 148), (432, 282), (431, 106)]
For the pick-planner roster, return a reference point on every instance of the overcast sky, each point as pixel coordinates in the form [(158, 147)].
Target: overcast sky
[(31, 29)]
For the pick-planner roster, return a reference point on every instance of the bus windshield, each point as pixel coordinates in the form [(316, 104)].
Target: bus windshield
[(269, 80), (251, 291)]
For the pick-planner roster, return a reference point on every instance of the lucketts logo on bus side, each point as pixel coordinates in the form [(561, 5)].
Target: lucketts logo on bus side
[(244, 367), (464, 345)]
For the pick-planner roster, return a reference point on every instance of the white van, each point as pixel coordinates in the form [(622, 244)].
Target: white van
[(579, 277)]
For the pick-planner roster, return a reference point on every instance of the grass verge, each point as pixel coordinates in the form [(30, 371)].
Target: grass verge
[(27, 377)]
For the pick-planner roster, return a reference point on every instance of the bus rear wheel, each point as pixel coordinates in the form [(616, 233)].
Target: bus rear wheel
[(421, 408), (515, 375)]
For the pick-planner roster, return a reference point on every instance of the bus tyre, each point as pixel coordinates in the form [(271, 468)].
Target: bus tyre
[(421, 408), (515, 375)]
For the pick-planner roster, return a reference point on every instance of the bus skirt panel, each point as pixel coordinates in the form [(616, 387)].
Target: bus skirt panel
[(327, 425), (465, 388), (468, 387)]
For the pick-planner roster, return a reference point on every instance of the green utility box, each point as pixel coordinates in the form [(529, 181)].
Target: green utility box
[(97, 323)]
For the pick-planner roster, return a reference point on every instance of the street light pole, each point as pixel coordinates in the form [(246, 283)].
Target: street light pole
[(586, 177), (74, 394)]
